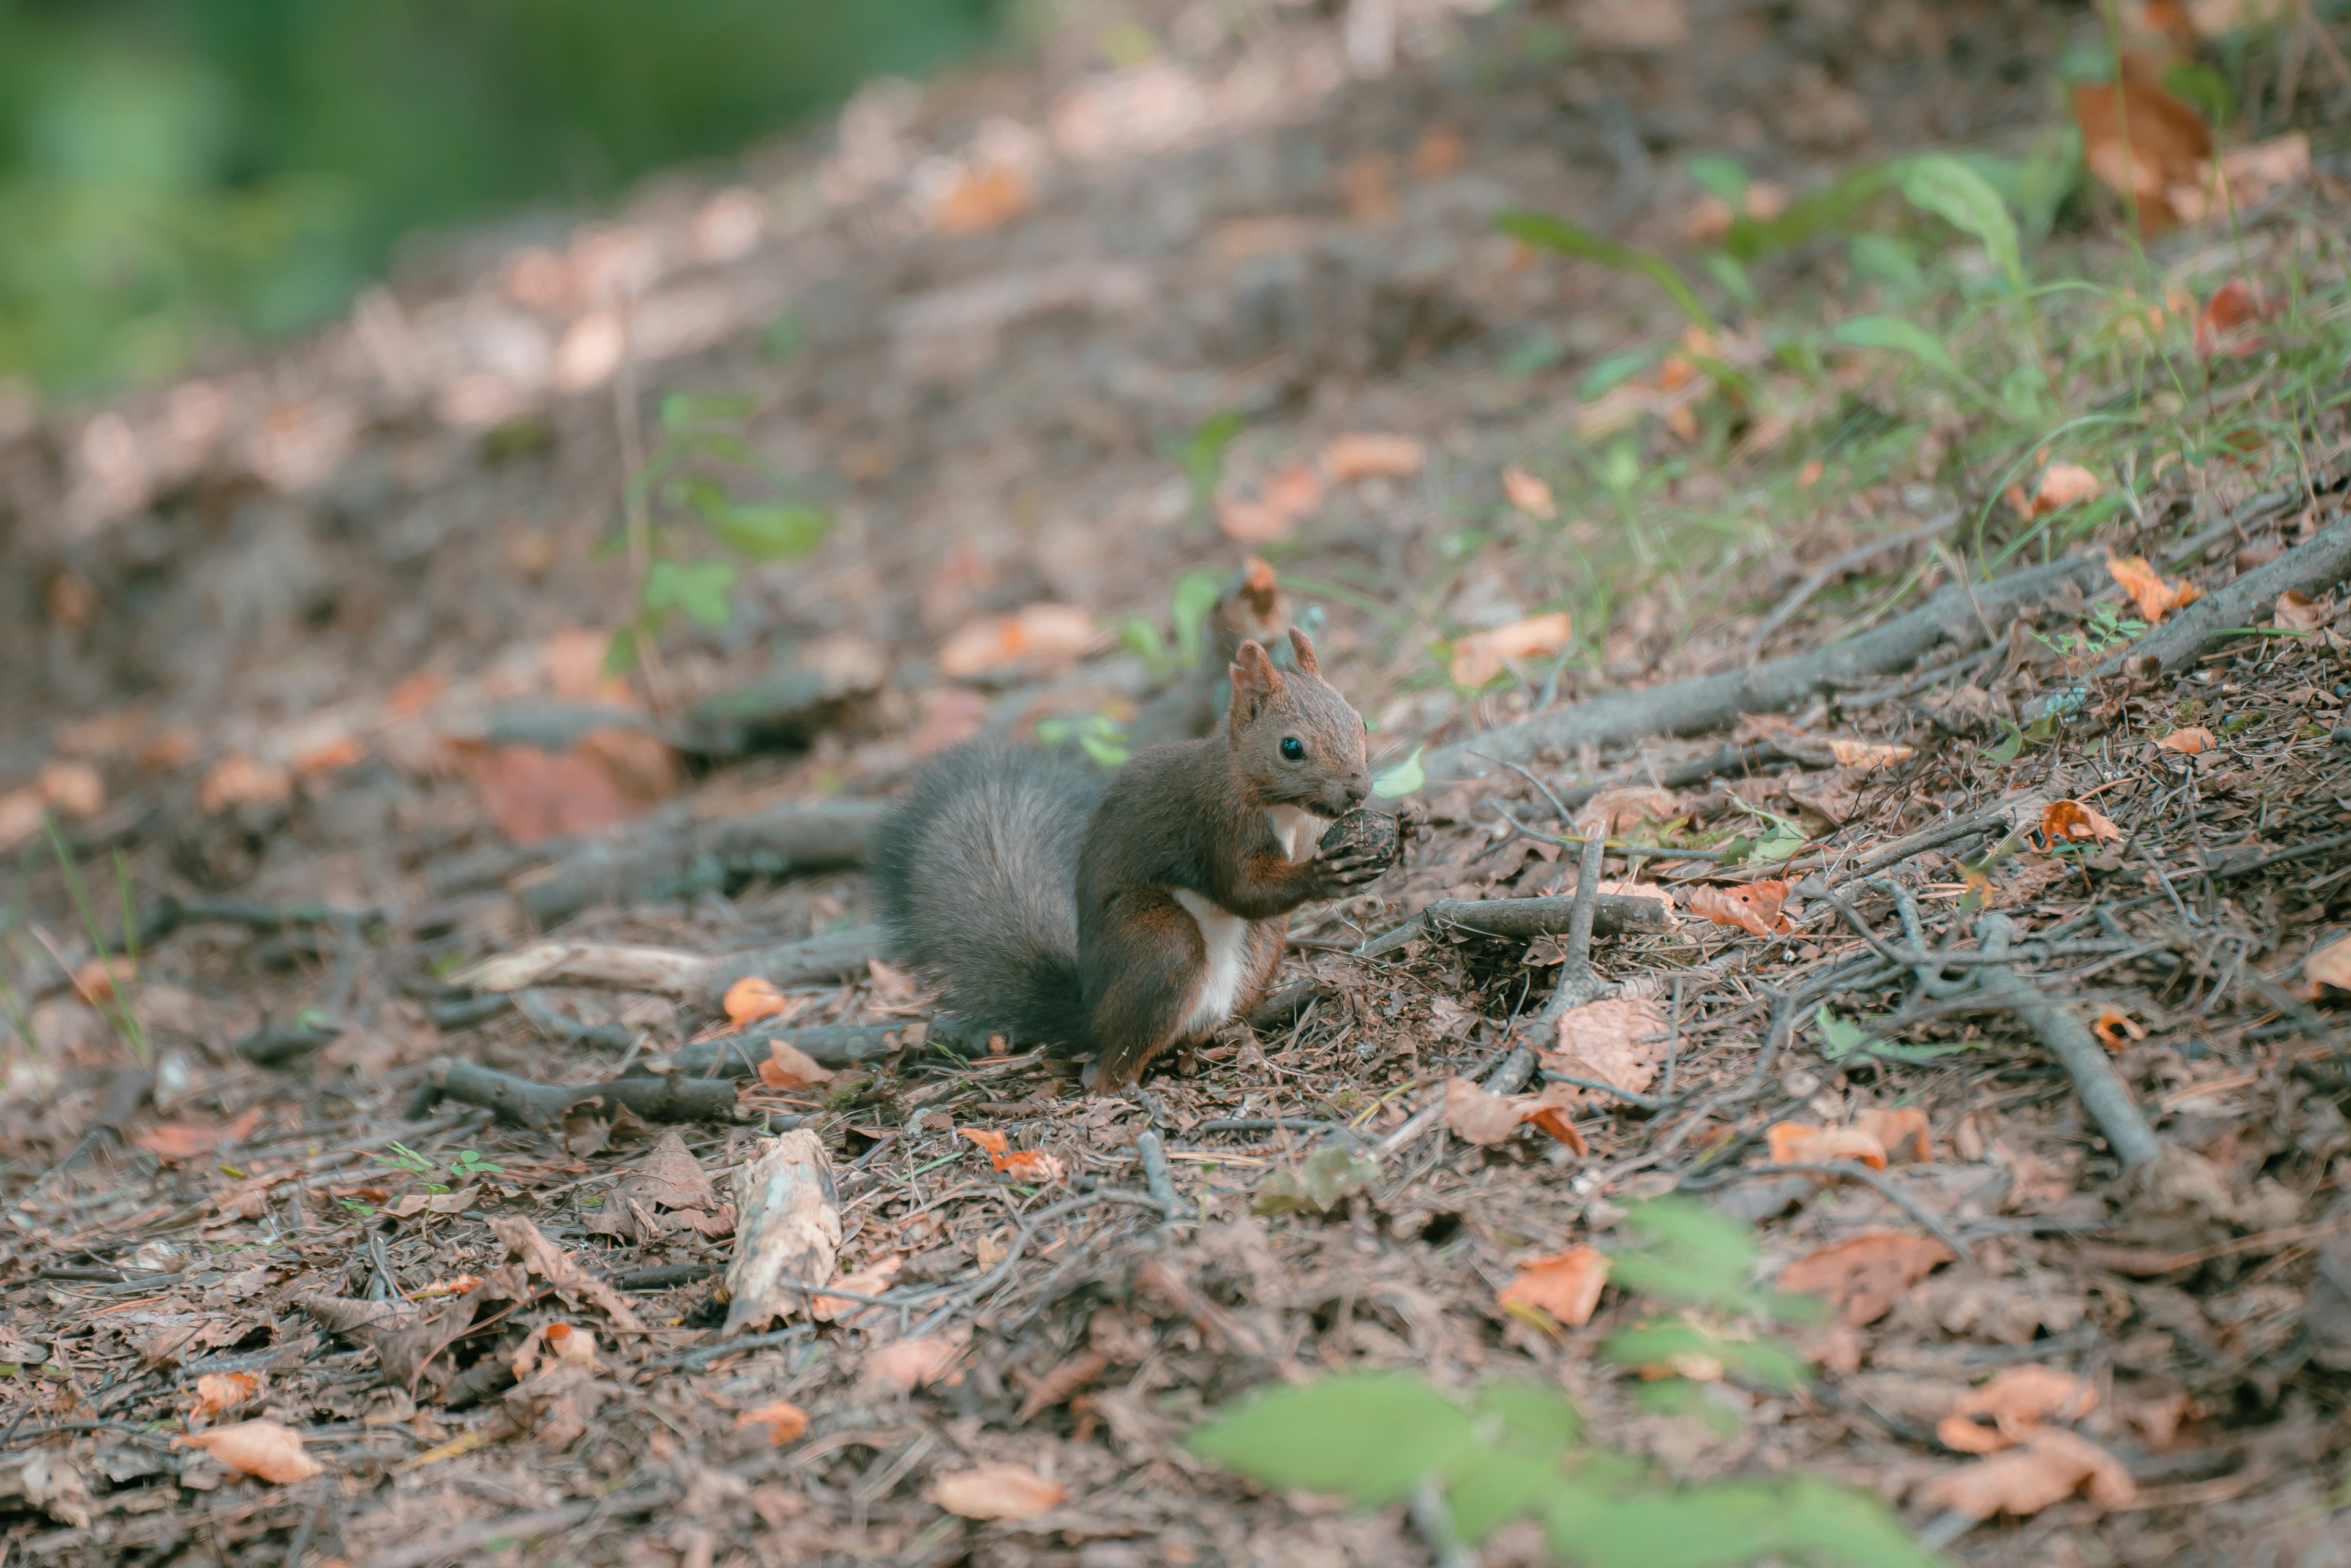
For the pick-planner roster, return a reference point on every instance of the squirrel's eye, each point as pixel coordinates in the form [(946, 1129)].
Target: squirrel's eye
[(1293, 749)]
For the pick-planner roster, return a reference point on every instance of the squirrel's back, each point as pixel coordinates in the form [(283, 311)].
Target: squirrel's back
[(977, 871)]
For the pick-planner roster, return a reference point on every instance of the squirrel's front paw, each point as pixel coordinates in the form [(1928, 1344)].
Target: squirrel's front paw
[(1343, 873)]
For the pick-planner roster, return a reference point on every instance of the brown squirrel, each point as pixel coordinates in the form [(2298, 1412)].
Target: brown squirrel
[(1119, 922)]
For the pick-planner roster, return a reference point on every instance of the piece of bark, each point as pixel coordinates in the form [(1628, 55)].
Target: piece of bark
[(674, 1097), (1961, 612), (787, 1231), (674, 862), (1523, 919)]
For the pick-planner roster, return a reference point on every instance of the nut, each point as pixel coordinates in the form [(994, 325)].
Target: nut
[(1364, 833)]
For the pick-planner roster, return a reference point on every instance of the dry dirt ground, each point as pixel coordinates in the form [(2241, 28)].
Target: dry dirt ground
[(303, 655)]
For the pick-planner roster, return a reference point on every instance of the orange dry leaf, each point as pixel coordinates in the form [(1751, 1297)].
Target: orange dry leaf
[(262, 1448), (73, 788), (330, 757), (1481, 657), (2153, 597), (783, 1419), (996, 1492), (1290, 495), (870, 1281), (2115, 1027), (2070, 823), (1751, 907), (1529, 494), (2052, 1466), (1052, 633), (2061, 485), (175, 1140), (242, 781), (1566, 1286), (1900, 1132), (1795, 1144), (1364, 457), (979, 199), (907, 1364), (96, 981), (2330, 966), (2191, 740), (1864, 1277), (219, 1391), (532, 794), (2167, 148), (1030, 1166), (788, 1067), (21, 813), (2220, 325), (995, 1143), (752, 997), (1869, 753), (2013, 1407), (2301, 613)]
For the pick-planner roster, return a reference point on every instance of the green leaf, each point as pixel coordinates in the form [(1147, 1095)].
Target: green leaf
[(621, 653), (1534, 353), (1557, 234), (773, 531), (680, 410), (1326, 1177), (1882, 258), (783, 338), (1371, 1437), (2009, 749), (1894, 332), (1105, 751), (1721, 174), (1492, 1488), (1613, 371), (2021, 393), (1721, 1524), (1839, 1036), (1536, 1420), (1189, 604), (700, 589), (1403, 779), (1144, 638), (1963, 198), (2205, 88), (1202, 453), (1733, 278)]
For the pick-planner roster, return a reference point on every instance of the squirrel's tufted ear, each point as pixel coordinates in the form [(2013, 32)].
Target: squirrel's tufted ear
[(1304, 650), (1255, 682)]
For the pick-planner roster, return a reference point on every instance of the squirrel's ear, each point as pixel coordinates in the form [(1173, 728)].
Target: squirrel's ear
[(1255, 681), (1304, 650)]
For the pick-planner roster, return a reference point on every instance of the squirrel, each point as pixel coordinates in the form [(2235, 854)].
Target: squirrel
[(1121, 920)]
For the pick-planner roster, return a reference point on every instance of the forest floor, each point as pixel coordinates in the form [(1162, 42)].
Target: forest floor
[(1994, 996)]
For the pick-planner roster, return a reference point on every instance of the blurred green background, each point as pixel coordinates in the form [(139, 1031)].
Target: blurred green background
[(175, 172)]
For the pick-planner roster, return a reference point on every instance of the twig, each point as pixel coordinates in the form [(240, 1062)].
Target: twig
[(2101, 1092), (1852, 1169), (1151, 1150), (1521, 919), (1837, 566), (529, 1105)]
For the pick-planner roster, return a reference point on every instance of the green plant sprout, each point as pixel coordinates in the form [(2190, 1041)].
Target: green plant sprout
[(468, 1165), (1189, 604), (1201, 456), (2105, 630), (1100, 736), (698, 435), (118, 1000)]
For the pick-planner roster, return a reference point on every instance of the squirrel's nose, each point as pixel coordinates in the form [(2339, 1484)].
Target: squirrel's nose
[(1358, 788)]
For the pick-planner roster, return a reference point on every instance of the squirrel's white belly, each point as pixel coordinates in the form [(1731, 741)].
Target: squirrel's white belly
[(1225, 937)]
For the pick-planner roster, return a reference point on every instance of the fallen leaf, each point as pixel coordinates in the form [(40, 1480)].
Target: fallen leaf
[(783, 1419), (2168, 147), (1869, 754), (260, 1448), (1529, 494), (98, 981), (2301, 613), (219, 1391), (531, 794), (551, 1346), (1862, 1278), (2049, 1467), (2220, 325), (242, 781), (1364, 457), (22, 812), (1626, 888), (2153, 597), (1617, 1040), (1751, 907), (2330, 966), (330, 756), (73, 788), (1622, 810), (1635, 26), (994, 1144), (2015, 1403), (2114, 1029), (1551, 1113), (2060, 485), (177, 1141), (1796, 1143), (908, 1364), (981, 198), (1481, 656), (788, 1067), (563, 1274), (1900, 1131), (996, 1492), (640, 764), (1284, 498), (2190, 740), (870, 1281), (1565, 1285), (752, 997), (1047, 633), (1030, 1166), (1486, 1119), (2070, 822)]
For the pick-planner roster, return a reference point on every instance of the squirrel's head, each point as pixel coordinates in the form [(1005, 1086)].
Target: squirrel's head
[(1297, 740)]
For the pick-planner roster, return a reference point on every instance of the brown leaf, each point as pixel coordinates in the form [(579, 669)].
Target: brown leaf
[(2190, 740), (1481, 657), (1617, 1040), (996, 1492), (979, 198), (1043, 633), (2060, 484), (1795, 1144), (219, 1391), (1621, 809), (1751, 907), (752, 997), (1529, 494), (2069, 821), (788, 1067), (2301, 613), (1363, 456), (870, 1281), (673, 1178), (783, 1419), (2115, 1028), (993, 1143), (242, 781), (2153, 597), (2221, 324), (556, 1267), (261, 1449), (1481, 1117), (1864, 1277), (1550, 1111), (2330, 965), (1565, 1285), (1064, 1381), (2051, 1466), (2015, 1403), (908, 1364), (1868, 754), (1030, 1166), (73, 788), (551, 1346), (1901, 1132), (1284, 498), (2168, 146), (532, 794)]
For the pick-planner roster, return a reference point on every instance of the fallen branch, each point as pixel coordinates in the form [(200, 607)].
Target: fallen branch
[(674, 1097), (666, 971), (1522, 919), (674, 862), (1961, 612), (2314, 565), (1836, 566), (827, 1045)]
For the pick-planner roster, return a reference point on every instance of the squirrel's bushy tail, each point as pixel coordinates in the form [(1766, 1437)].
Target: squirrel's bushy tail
[(979, 869)]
